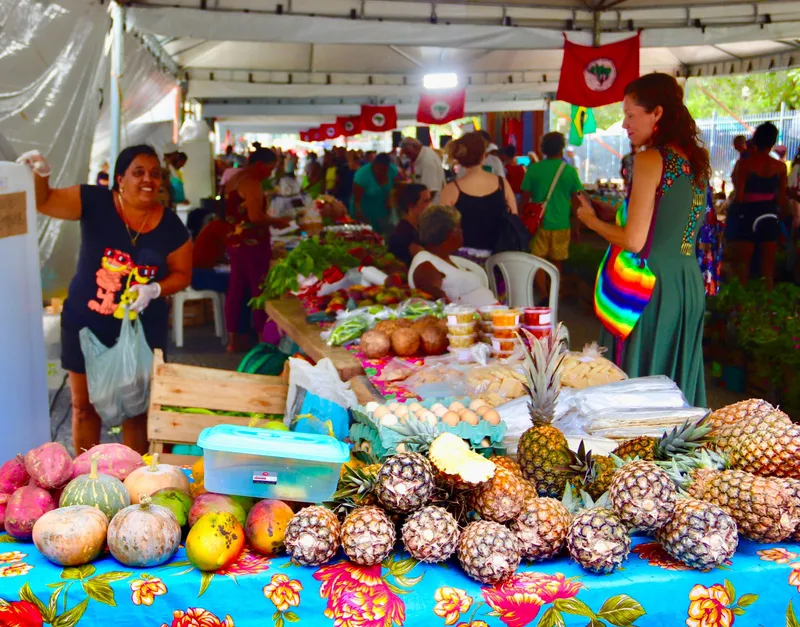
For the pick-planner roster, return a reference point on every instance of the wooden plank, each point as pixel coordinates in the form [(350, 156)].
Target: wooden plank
[(214, 375), (225, 396), (289, 315), (173, 427), (177, 460)]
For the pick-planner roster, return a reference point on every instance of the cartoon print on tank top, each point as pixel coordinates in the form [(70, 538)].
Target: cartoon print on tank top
[(117, 270)]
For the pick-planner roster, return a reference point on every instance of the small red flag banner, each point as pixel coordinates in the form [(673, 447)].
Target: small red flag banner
[(378, 118), (441, 107)]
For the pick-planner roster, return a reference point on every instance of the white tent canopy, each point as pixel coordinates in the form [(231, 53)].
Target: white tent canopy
[(318, 58)]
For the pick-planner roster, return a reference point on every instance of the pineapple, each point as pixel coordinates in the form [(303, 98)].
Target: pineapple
[(530, 490), (357, 486), (543, 452), (312, 536), (368, 536), (643, 495), (501, 461), (405, 482), (597, 539), (742, 410), (501, 498), (431, 534), (541, 528), (593, 473), (456, 463), (792, 486), (680, 440), (763, 508), (488, 552), (763, 445), (699, 534)]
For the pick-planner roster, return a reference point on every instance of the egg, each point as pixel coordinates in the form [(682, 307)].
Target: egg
[(437, 406), (429, 418), (461, 412), (481, 411), (439, 411), (393, 406), (371, 407), (470, 417), (450, 418), (401, 411), (456, 406), (485, 442), (492, 417), (389, 420), (478, 402), (416, 408), (381, 412)]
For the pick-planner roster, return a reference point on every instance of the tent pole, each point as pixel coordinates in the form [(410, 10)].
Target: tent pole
[(118, 32), (596, 28)]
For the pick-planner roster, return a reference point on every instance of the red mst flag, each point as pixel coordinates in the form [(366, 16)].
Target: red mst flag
[(441, 107), (329, 131), (593, 77), (305, 136), (378, 118), (349, 126), (316, 135)]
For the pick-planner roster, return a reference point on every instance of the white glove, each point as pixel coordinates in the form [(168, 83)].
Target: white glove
[(147, 293), (36, 162)]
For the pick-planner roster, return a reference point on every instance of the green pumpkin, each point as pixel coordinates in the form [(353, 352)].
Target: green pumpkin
[(175, 500), (104, 492)]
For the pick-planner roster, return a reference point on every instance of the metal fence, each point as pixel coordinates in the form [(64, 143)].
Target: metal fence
[(599, 157)]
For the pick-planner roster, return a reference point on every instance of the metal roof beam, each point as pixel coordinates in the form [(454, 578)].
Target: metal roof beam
[(747, 65)]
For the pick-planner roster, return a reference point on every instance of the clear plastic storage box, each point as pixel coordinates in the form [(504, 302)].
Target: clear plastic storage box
[(268, 464)]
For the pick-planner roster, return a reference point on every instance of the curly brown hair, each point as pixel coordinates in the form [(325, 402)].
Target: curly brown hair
[(676, 126)]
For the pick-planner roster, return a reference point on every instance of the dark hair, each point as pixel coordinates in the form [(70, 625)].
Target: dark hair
[(407, 196), (509, 150), (262, 155), (486, 136), (468, 150), (228, 149), (382, 160), (766, 136), (676, 126), (553, 144), (126, 158)]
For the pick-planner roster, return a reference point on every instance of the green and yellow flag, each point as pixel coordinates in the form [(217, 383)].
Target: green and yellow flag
[(582, 123)]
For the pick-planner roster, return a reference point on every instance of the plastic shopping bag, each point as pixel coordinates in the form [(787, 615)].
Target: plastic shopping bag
[(118, 377)]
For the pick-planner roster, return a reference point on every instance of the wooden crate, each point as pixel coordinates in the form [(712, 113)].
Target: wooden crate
[(191, 386)]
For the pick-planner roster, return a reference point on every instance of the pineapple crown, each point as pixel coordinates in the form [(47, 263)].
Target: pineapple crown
[(576, 502), (681, 467), (417, 434), (685, 438), (543, 374)]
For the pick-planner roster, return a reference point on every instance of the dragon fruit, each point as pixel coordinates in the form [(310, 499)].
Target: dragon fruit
[(50, 466), (13, 475), (116, 460), (24, 508)]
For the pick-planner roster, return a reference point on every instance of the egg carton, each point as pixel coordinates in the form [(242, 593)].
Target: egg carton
[(368, 434)]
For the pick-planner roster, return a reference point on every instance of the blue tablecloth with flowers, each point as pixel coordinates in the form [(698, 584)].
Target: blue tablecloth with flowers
[(757, 588)]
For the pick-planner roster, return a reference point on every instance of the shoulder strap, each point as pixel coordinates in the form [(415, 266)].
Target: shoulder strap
[(554, 183)]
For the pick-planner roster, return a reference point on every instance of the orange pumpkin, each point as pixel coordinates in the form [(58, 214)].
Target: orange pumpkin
[(150, 479), (71, 536)]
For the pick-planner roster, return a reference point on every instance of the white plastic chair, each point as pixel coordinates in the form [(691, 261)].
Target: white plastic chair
[(189, 294), (518, 270), (471, 266)]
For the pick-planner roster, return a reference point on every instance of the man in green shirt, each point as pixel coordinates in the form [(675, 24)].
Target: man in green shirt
[(552, 238)]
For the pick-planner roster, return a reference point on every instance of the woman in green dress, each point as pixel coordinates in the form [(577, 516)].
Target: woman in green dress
[(658, 225)]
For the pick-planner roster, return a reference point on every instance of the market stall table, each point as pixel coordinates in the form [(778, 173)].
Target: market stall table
[(290, 316), (651, 591)]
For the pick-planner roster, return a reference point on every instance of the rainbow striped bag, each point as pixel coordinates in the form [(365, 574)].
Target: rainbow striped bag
[(624, 286)]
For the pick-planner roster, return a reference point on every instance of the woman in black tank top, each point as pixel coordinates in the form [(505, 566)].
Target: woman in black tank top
[(480, 197)]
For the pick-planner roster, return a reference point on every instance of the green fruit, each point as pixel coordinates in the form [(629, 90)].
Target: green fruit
[(276, 425), (175, 500), (246, 502), (106, 493)]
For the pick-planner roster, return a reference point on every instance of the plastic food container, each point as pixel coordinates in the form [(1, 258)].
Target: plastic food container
[(470, 328), (537, 316), (503, 354), (506, 318), (504, 346), (485, 338), (488, 311), (462, 341), (542, 332), (505, 333), (268, 464), (461, 315)]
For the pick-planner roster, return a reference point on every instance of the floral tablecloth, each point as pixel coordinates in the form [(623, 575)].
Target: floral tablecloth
[(757, 588)]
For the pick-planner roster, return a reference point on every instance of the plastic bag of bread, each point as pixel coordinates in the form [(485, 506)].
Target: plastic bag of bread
[(589, 368)]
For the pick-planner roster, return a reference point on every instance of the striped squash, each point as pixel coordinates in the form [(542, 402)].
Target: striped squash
[(104, 492)]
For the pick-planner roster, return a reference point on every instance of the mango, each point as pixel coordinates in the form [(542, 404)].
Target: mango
[(215, 541), (265, 528)]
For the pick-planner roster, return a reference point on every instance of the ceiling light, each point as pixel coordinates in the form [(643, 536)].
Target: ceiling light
[(440, 81)]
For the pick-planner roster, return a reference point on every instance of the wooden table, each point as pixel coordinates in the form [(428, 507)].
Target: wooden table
[(290, 316)]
